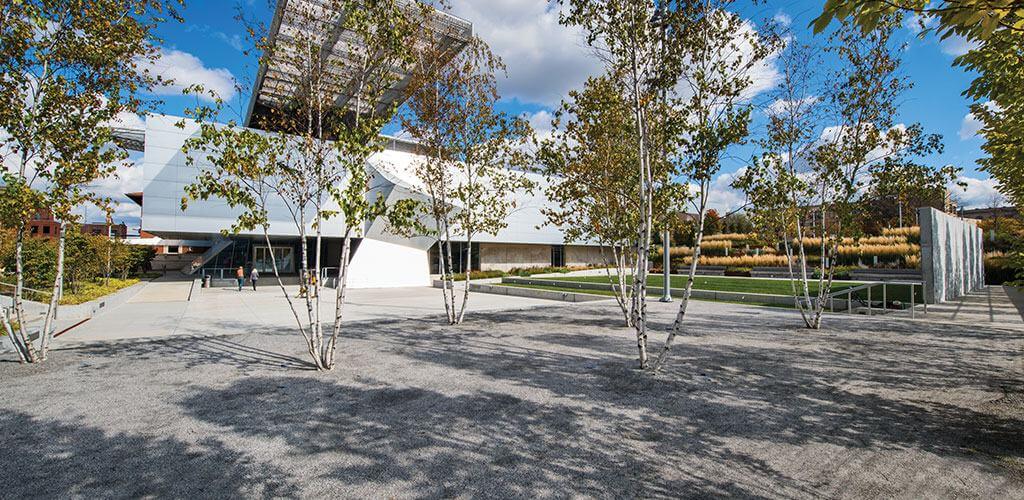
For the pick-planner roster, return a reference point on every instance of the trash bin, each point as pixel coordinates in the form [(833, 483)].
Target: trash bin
[(207, 281)]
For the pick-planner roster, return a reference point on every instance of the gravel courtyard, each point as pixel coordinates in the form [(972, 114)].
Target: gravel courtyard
[(538, 403)]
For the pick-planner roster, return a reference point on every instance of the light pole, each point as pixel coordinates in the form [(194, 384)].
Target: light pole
[(666, 288)]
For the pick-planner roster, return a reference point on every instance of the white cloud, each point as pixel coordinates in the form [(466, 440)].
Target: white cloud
[(544, 59), (721, 195), (128, 178), (783, 105), (979, 193), (185, 69), (957, 45), (234, 41), (971, 125), (783, 19), (764, 74), (541, 124)]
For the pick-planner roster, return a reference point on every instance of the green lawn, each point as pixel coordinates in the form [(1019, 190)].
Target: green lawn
[(752, 285), (608, 293)]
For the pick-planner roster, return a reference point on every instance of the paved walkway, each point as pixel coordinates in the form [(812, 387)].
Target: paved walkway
[(162, 310), (527, 405), (993, 306), (163, 291)]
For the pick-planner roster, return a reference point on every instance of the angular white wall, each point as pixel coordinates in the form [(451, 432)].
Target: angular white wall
[(379, 264)]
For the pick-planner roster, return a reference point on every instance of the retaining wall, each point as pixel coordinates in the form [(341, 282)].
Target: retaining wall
[(952, 255)]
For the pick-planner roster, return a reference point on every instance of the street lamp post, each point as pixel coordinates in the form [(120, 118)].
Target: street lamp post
[(666, 288)]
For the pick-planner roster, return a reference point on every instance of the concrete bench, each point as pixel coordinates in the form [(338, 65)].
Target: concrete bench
[(885, 275), (703, 270), (770, 272)]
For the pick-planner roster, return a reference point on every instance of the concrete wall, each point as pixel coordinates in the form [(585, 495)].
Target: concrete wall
[(506, 256), (952, 256), (578, 255)]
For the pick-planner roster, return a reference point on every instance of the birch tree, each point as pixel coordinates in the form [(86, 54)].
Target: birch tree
[(720, 51), (777, 183), (69, 70), (633, 38), (830, 171), (590, 163), (472, 153), (312, 156)]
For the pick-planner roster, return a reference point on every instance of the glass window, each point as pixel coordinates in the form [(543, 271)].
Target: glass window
[(173, 249), (283, 255), (46, 229)]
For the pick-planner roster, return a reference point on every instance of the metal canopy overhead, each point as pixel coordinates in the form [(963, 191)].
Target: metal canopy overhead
[(277, 81)]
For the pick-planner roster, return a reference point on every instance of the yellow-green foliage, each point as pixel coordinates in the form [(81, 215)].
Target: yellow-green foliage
[(905, 232), (897, 250), (742, 261), (715, 244), (730, 237), (674, 252), (91, 290), (912, 261), (864, 241)]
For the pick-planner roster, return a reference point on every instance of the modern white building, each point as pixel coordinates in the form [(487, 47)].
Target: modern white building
[(379, 259)]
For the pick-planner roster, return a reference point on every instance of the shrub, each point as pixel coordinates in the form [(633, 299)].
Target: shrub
[(729, 237), (743, 261), (95, 289), (910, 233)]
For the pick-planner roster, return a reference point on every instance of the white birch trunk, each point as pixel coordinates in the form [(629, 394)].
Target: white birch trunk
[(21, 337), (677, 325), (339, 301), (51, 311)]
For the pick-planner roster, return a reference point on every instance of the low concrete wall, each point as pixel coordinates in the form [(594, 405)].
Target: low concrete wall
[(102, 304), (752, 298), (758, 298), (491, 286)]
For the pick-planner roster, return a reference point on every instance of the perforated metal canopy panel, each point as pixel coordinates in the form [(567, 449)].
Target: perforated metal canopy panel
[(315, 21)]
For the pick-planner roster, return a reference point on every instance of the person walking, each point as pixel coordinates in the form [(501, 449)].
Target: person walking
[(254, 276), (240, 275)]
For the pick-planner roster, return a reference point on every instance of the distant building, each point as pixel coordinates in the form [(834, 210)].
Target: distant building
[(990, 213), (378, 258), (171, 254), (44, 225), (119, 231)]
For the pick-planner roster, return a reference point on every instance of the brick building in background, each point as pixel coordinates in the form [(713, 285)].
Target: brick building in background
[(43, 225)]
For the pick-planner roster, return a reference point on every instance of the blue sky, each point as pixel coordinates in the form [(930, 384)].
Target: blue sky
[(545, 60)]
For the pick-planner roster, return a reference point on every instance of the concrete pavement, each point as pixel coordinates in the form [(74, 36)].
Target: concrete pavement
[(162, 310)]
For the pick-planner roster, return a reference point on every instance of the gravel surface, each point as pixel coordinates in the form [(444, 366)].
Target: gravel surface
[(538, 403)]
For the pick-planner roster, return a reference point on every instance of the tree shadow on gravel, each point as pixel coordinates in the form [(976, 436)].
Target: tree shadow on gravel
[(851, 386), (422, 443), (56, 459), (199, 351)]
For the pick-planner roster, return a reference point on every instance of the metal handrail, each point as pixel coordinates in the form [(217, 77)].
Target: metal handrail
[(218, 270), (848, 292), (26, 288)]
